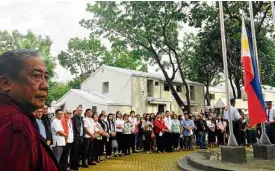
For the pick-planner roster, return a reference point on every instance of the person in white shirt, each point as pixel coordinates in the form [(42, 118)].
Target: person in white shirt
[(168, 133), (119, 123), (270, 123), (133, 120), (236, 118), (68, 129), (59, 135), (88, 143)]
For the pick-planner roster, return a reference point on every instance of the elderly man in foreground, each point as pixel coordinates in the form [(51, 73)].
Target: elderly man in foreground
[(23, 89)]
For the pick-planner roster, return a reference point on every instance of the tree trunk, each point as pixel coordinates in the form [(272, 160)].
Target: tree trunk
[(238, 87), (187, 95), (232, 86), (175, 94), (207, 95), (170, 83)]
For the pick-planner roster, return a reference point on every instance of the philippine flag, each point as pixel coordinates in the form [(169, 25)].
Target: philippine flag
[(256, 105)]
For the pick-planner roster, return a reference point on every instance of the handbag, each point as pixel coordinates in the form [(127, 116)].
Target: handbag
[(114, 144), (153, 135), (113, 134)]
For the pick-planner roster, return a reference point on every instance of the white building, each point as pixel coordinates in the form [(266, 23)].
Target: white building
[(113, 89)]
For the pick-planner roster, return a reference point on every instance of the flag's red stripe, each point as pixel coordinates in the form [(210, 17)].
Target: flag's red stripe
[(256, 111), (248, 70)]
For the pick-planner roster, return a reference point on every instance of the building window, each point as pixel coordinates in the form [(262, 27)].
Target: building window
[(105, 87), (150, 86), (156, 83), (192, 92), (166, 87), (94, 109), (178, 87), (212, 96)]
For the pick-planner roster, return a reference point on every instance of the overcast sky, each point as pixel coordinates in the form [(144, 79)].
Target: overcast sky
[(56, 18)]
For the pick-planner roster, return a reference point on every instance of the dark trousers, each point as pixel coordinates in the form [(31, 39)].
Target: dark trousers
[(181, 142), (241, 137), (119, 141), (251, 137), (168, 141), (160, 142), (187, 142), (175, 140), (133, 142), (109, 146), (65, 156), (126, 143), (97, 147), (211, 137), (271, 133), (88, 151), (220, 136), (74, 157), (147, 140), (138, 141)]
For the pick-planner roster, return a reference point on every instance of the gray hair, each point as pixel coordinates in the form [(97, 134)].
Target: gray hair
[(11, 62)]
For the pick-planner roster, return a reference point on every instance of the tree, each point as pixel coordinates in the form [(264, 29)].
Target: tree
[(56, 91), (83, 57), (205, 62), (16, 40), (121, 56), (152, 27), (233, 21)]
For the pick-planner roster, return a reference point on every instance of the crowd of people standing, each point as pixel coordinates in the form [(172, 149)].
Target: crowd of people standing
[(79, 141)]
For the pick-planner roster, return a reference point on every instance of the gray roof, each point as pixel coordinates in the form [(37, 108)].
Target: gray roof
[(93, 97), (146, 74)]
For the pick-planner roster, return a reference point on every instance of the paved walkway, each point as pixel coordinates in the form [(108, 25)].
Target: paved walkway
[(141, 162)]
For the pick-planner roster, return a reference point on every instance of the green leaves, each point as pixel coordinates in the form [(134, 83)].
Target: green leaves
[(83, 57), (16, 40)]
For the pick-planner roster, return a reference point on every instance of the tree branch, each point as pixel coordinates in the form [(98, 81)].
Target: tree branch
[(262, 20), (231, 16)]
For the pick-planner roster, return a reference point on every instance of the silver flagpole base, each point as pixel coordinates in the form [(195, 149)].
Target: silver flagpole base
[(232, 141), (264, 138)]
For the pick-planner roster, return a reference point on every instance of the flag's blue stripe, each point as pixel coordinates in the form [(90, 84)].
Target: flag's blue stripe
[(255, 83)]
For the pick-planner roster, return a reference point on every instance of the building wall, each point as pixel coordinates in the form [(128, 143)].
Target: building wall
[(123, 109), (199, 98), (139, 84), (119, 84)]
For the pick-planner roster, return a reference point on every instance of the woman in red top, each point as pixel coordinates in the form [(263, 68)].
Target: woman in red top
[(159, 129)]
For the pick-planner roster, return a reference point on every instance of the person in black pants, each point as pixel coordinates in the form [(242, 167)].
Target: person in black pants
[(88, 143), (68, 129), (78, 128), (119, 126), (168, 134), (112, 135), (105, 128), (159, 129), (47, 123)]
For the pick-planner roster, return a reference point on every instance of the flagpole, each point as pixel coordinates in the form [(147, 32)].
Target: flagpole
[(273, 14), (231, 139), (264, 138)]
